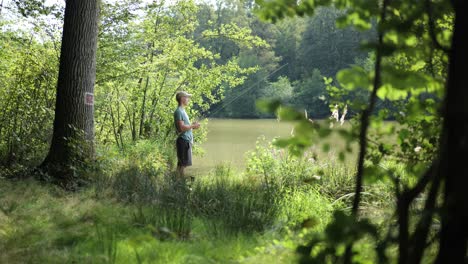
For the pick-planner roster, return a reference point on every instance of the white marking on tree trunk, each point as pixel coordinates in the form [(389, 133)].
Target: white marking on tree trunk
[(89, 98)]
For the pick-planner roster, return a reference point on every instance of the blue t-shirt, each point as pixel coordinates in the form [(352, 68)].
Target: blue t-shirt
[(180, 114)]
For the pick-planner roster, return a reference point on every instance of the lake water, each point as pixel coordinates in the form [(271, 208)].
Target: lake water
[(229, 139)]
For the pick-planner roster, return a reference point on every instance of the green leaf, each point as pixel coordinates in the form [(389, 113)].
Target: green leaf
[(354, 19), (387, 92), (282, 143), (418, 65), (353, 78), (268, 105), (289, 114)]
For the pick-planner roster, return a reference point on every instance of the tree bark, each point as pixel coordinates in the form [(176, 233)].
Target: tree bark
[(73, 133), (454, 146)]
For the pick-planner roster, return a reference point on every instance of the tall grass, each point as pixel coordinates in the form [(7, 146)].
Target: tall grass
[(136, 212)]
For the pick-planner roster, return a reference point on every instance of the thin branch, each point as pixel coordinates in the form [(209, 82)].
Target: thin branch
[(156, 96), (404, 201), (422, 183), (366, 116), (403, 230), (418, 240), (364, 127)]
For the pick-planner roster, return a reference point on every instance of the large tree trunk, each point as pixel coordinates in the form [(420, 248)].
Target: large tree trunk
[(454, 146), (73, 134)]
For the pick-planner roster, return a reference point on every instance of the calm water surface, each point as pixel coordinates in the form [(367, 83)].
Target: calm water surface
[(229, 139)]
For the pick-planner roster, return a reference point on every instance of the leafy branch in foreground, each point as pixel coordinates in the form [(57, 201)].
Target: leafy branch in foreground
[(410, 68)]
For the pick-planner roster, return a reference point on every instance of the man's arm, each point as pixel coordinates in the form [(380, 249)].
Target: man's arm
[(183, 127)]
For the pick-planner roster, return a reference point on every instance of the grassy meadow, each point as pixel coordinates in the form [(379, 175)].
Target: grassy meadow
[(256, 208)]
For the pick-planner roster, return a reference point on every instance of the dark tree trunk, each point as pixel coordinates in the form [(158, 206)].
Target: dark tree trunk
[(73, 134), (454, 146)]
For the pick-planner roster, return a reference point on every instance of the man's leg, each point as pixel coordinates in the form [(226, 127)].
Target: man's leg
[(180, 172), (180, 159)]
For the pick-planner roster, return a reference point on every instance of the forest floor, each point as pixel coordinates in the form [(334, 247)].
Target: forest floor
[(41, 223), (133, 211), (225, 218)]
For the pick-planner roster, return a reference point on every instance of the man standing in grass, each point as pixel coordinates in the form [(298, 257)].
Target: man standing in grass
[(184, 134)]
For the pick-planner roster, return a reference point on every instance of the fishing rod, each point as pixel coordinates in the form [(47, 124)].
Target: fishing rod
[(241, 94)]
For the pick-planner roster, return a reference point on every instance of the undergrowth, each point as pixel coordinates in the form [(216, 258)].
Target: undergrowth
[(135, 211)]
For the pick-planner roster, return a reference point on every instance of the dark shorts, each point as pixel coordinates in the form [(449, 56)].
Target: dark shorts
[(184, 152)]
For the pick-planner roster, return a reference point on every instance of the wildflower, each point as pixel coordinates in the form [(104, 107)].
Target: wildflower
[(417, 149)]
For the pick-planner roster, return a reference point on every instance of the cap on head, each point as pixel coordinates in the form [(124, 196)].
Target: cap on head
[(181, 94)]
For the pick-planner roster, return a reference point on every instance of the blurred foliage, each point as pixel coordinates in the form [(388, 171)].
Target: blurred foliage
[(412, 73)]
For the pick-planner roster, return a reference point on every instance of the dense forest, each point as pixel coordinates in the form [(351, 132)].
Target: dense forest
[(222, 52), (87, 158)]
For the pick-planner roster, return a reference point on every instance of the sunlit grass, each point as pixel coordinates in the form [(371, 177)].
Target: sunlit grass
[(135, 212), (226, 219), (42, 224)]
